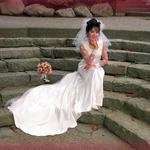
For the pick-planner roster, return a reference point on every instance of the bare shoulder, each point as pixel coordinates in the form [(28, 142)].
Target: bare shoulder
[(82, 45)]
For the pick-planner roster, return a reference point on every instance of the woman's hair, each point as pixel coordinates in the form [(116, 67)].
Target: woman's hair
[(92, 23)]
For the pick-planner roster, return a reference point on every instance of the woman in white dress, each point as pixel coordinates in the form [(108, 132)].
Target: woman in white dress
[(51, 109)]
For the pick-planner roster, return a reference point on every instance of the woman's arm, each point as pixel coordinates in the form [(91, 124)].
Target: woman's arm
[(104, 60), (88, 58)]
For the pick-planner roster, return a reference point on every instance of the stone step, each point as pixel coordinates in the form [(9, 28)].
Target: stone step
[(135, 46), (113, 54), (33, 42), (117, 122), (11, 92), (70, 33), (138, 87), (70, 52), (139, 71), (6, 118), (129, 56), (70, 64), (19, 52), (91, 117), (27, 78), (19, 65), (132, 130), (116, 68), (135, 106)]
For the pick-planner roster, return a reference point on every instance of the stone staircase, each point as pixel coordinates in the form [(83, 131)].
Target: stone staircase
[(126, 111)]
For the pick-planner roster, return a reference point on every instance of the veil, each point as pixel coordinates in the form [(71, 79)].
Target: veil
[(82, 36)]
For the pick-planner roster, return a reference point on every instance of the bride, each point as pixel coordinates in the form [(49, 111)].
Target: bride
[(51, 109)]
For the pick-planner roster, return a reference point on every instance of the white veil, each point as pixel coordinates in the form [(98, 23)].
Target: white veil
[(82, 36)]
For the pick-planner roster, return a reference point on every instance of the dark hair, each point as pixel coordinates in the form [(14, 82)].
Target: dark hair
[(92, 23)]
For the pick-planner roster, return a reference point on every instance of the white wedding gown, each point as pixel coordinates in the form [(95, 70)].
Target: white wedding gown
[(51, 109)]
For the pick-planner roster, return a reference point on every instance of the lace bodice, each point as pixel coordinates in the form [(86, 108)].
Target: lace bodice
[(97, 52)]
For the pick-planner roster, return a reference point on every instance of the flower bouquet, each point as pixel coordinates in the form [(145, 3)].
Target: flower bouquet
[(44, 69)]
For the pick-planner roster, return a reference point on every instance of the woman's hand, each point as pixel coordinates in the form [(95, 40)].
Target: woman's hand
[(90, 59), (88, 66), (93, 42)]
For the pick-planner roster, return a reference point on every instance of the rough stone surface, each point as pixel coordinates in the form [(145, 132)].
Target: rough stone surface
[(6, 118), (63, 64), (19, 53), (6, 132), (103, 9), (136, 106), (3, 66), (92, 117), (38, 10), (82, 11), (137, 135), (68, 12), (13, 79), (15, 65), (139, 71), (12, 7), (116, 68), (144, 91), (127, 85), (10, 92)]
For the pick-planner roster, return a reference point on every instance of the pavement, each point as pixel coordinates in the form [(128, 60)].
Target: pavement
[(83, 137), (111, 23)]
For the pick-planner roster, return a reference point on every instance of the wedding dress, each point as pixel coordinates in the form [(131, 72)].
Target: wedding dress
[(51, 109)]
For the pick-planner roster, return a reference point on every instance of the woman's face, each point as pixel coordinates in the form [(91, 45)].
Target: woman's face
[(93, 34)]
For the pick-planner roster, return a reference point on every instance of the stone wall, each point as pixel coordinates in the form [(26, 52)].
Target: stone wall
[(61, 8), (72, 8)]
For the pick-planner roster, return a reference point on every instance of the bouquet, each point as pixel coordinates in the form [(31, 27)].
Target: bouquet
[(44, 69)]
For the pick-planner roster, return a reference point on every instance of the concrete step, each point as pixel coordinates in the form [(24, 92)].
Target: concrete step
[(135, 106), (133, 131), (135, 46), (138, 87)]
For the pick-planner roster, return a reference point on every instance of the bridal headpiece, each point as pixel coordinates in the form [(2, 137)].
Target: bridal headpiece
[(82, 36)]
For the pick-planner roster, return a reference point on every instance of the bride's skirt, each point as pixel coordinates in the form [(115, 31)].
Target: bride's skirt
[(53, 108)]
